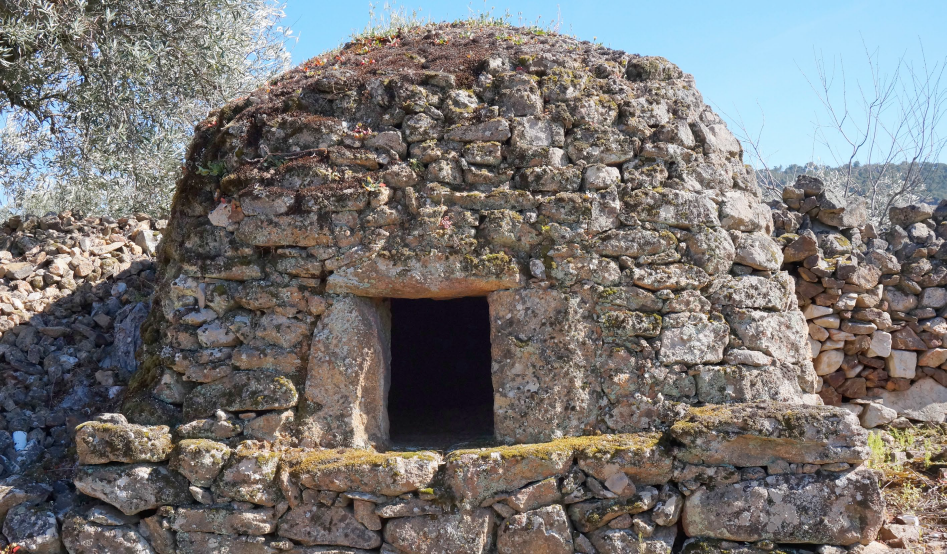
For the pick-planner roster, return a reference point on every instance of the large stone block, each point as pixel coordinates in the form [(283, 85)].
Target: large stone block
[(629, 541), (82, 536), (699, 342), (725, 384), (643, 457), (823, 508), (313, 524), (347, 379), (241, 391), (466, 532), (134, 488), (390, 474), (746, 435), (285, 230), (200, 460), (542, 531), (223, 520), (676, 208), (431, 275), (540, 343), (250, 475), (781, 335), (475, 475), (753, 291), (98, 442), (926, 400)]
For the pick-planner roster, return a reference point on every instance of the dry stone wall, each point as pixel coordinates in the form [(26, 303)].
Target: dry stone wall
[(874, 301), (592, 196), (653, 387)]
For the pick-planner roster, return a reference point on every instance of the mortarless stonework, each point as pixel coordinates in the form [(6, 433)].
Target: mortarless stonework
[(649, 358)]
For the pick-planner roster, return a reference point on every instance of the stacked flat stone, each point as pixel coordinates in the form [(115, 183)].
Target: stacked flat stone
[(604, 211), (875, 307), (71, 291), (709, 477)]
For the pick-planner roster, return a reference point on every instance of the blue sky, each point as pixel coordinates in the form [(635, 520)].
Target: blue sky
[(747, 57)]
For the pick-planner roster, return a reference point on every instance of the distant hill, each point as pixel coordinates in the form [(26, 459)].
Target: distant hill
[(935, 176)]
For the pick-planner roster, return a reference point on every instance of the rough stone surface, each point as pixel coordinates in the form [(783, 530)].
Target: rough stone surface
[(99, 443), (313, 524), (621, 541), (347, 375), (542, 531), (926, 400), (762, 434), (82, 536), (780, 508), (462, 533), (135, 487), (34, 529), (391, 475)]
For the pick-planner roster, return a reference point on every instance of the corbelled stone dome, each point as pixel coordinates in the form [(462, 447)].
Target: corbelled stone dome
[(591, 193), (603, 212)]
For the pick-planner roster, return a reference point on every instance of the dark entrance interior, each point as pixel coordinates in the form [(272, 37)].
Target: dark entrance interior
[(441, 389)]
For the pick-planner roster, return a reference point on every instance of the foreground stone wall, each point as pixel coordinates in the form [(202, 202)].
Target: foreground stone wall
[(766, 474), (604, 211), (874, 301)]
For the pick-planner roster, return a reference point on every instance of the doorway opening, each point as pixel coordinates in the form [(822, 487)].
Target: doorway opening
[(441, 386)]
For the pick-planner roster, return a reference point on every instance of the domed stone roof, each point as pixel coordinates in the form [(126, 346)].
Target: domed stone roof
[(602, 206), (634, 327)]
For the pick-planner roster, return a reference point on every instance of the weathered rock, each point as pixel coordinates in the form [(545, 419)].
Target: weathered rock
[(674, 207), (876, 414), (17, 492), (852, 214), (908, 215), (133, 488), (199, 460), (668, 509), (34, 529), (758, 251), (467, 532), (749, 510), (431, 276), (828, 362), (223, 521), (542, 531), (901, 364), (347, 375), (389, 474), (593, 514), (241, 391), (82, 536), (767, 332), (747, 435), (201, 543), (694, 343), (99, 443), (312, 524), (926, 400), (643, 457), (534, 496), (621, 541), (745, 383), (250, 475), (539, 342), (880, 344), (475, 475)]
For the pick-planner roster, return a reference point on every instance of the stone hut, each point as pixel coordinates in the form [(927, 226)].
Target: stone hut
[(473, 289)]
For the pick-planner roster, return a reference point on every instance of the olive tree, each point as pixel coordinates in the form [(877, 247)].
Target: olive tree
[(98, 98)]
